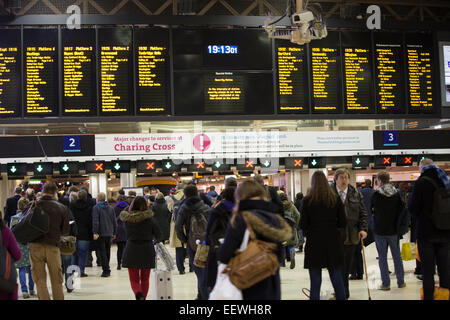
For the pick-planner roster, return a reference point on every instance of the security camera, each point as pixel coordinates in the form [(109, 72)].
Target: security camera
[(302, 18)]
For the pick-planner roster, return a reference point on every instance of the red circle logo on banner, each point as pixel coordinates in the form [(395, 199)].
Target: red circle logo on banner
[(202, 142)]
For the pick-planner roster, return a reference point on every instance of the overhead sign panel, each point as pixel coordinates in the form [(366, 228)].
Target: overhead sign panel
[(17, 169)]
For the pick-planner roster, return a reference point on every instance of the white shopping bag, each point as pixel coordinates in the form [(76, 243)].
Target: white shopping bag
[(224, 289)]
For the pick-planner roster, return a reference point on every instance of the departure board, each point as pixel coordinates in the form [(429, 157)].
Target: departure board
[(153, 72), (356, 47), (223, 92), (292, 78), (325, 70), (41, 72), (389, 71), (79, 72), (116, 71), (420, 73), (10, 70), (214, 49)]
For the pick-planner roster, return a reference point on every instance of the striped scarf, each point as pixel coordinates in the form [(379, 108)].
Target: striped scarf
[(441, 174)]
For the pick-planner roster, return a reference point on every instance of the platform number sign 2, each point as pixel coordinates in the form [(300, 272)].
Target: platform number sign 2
[(390, 138), (72, 144)]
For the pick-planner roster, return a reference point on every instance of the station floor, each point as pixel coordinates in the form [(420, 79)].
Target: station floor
[(117, 286)]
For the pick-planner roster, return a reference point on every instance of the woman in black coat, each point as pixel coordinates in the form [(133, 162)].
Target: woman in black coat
[(322, 216), (218, 220), (139, 254), (268, 226), (162, 216)]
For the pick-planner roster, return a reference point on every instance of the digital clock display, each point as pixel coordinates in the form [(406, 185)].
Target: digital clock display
[(222, 49)]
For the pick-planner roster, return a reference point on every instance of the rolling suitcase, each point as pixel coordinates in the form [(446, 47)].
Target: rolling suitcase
[(161, 280)]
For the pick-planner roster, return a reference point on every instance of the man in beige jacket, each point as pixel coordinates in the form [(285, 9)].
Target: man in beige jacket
[(174, 204)]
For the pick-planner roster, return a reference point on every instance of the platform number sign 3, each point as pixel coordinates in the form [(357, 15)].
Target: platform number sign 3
[(72, 144), (390, 138)]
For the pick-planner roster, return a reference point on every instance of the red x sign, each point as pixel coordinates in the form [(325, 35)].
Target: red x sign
[(150, 166), (407, 160), (297, 163), (387, 160), (249, 164), (99, 167), (201, 165)]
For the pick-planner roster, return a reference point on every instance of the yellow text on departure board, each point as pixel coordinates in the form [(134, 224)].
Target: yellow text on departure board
[(38, 62), (419, 78), (74, 60), (151, 60), (112, 59), (224, 93), (7, 62), (323, 65), (356, 62), (387, 69)]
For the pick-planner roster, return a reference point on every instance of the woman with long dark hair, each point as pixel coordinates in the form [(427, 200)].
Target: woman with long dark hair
[(321, 218), (139, 253), (253, 206)]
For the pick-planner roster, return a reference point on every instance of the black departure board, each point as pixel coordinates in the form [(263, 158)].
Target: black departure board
[(214, 49), (223, 92), (41, 72), (10, 71), (389, 72), (79, 72), (325, 74), (419, 55), (356, 47), (116, 71), (152, 71), (292, 78)]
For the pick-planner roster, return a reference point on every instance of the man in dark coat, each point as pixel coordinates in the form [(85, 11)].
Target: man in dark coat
[(193, 205), (387, 207), (82, 212), (433, 243), (162, 216), (357, 222), (11, 205)]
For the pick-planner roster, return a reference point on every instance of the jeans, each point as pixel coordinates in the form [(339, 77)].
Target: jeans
[(104, 252), (382, 243), (65, 259), (81, 253), (315, 276), (433, 254), (203, 293), (23, 271)]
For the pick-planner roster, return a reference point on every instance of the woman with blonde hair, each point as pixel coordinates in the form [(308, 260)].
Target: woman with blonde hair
[(253, 207), (322, 216)]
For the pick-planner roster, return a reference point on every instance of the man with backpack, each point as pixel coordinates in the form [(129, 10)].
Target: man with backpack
[(429, 204), (46, 250), (190, 226)]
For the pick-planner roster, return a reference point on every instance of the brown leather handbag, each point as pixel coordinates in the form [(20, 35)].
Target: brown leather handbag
[(256, 263)]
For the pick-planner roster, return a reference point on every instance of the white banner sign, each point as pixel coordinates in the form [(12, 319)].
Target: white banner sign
[(231, 144)]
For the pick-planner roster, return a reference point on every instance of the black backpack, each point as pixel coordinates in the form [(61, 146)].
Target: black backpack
[(197, 229), (8, 276), (32, 226), (440, 214)]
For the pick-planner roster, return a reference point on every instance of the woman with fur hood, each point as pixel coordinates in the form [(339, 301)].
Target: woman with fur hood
[(268, 225), (139, 253)]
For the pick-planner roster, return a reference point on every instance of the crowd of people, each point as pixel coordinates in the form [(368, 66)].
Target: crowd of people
[(331, 224)]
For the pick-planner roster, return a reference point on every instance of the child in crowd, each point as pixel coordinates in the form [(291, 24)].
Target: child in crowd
[(24, 264)]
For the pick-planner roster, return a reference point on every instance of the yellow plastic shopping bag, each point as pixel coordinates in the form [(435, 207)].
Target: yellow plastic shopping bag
[(406, 252), (439, 293)]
